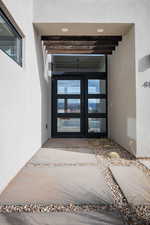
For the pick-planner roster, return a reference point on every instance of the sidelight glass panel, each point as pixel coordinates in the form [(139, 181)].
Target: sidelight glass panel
[(68, 87), (68, 105), (97, 125), (96, 105), (96, 86), (68, 124)]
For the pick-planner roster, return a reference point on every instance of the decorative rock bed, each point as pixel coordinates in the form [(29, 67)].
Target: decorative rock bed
[(107, 153)]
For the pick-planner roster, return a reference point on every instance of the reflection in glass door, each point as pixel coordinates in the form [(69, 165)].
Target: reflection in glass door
[(97, 106), (79, 105), (67, 111)]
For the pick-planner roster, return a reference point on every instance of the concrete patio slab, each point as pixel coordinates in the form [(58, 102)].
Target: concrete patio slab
[(63, 156), (134, 184), (67, 143), (59, 185), (87, 218)]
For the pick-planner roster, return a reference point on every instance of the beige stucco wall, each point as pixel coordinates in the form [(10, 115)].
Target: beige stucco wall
[(122, 93), (108, 11), (23, 96), (23, 91)]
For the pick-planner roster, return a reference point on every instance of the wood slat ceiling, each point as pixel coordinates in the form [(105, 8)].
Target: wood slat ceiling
[(80, 44)]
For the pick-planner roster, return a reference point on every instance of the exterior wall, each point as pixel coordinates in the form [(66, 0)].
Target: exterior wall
[(24, 91), (108, 11), (142, 75), (22, 96), (122, 93)]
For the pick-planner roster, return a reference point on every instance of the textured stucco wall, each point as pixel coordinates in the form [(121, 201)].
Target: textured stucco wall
[(23, 91), (122, 93), (22, 98), (109, 11)]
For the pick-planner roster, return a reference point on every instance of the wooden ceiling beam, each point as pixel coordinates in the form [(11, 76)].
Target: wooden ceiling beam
[(82, 43), (80, 48), (80, 38), (60, 51)]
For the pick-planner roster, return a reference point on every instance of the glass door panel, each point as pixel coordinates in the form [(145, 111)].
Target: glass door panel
[(96, 86), (73, 105), (79, 106), (68, 87), (96, 105), (68, 105), (68, 124), (96, 125)]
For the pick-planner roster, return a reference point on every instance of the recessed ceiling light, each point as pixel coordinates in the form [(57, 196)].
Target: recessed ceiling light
[(100, 30), (64, 29)]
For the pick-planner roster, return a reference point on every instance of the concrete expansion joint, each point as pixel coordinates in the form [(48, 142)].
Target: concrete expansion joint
[(54, 161), (138, 215), (59, 164)]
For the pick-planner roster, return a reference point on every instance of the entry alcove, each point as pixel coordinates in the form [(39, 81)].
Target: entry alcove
[(79, 95)]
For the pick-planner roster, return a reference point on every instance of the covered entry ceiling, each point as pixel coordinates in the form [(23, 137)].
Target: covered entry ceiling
[(81, 44)]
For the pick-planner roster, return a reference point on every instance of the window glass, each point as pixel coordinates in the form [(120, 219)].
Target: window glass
[(96, 105), (96, 125), (79, 63), (10, 40), (68, 87), (96, 86), (60, 105), (68, 124), (68, 105)]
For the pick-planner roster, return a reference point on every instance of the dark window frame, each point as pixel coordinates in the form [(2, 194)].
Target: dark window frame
[(13, 29), (84, 97)]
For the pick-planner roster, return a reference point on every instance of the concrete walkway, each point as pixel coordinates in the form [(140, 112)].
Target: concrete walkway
[(70, 181)]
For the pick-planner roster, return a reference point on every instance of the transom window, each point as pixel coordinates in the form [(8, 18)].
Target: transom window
[(10, 39)]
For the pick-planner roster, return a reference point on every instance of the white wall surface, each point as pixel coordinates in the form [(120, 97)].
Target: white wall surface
[(22, 98), (23, 91), (109, 11), (122, 93)]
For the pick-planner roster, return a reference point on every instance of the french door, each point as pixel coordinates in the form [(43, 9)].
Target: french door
[(79, 105)]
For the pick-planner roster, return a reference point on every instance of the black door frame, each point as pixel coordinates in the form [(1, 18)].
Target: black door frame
[(55, 115), (83, 115)]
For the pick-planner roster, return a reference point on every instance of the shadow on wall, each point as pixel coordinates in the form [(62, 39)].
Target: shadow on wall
[(132, 145), (43, 85), (144, 63), (131, 131)]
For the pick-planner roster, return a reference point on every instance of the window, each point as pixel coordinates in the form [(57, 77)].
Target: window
[(96, 86), (78, 63), (68, 124), (68, 87), (10, 39), (96, 125)]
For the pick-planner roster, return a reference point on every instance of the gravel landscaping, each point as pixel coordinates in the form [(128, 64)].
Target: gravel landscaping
[(55, 208), (107, 154)]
